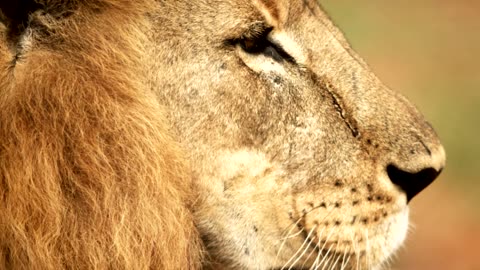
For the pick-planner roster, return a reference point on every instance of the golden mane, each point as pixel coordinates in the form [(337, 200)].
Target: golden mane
[(300, 156), (89, 175)]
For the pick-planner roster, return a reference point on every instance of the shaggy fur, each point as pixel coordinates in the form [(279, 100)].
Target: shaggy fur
[(293, 153), (89, 176)]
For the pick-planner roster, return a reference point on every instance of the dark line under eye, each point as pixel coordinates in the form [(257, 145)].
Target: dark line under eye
[(260, 44)]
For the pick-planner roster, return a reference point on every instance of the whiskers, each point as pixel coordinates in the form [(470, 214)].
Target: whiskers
[(316, 241), (301, 251), (326, 256), (316, 248), (327, 247), (289, 235)]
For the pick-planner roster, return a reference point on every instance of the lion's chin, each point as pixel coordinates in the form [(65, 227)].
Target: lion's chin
[(365, 248)]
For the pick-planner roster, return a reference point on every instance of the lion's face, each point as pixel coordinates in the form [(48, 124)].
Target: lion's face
[(302, 157)]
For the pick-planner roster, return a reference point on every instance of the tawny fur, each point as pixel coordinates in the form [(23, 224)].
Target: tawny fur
[(89, 176), (289, 152)]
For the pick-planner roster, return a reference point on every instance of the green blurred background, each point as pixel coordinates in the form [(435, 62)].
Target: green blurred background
[(429, 51)]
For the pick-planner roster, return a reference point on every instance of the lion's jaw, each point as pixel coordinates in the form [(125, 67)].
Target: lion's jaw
[(290, 157), (256, 220)]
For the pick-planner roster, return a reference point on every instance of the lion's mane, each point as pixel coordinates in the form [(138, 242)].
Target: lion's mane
[(89, 176)]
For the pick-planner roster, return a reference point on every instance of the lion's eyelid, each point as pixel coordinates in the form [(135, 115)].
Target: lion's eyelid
[(256, 41), (289, 45)]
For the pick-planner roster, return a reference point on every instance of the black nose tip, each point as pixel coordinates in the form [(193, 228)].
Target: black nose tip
[(412, 183)]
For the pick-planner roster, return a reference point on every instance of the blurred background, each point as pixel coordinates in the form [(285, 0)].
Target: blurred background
[(429, 50)]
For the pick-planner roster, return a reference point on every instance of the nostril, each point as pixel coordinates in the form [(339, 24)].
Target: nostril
[(412, 183)]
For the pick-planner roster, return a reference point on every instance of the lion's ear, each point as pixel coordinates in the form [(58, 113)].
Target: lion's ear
[(274, 11), (14, 14)]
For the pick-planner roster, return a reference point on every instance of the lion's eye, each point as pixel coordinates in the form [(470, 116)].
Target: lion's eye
[(262, 45)]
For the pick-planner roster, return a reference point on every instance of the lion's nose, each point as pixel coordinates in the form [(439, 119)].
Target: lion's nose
[(412, 183), (415, 174)]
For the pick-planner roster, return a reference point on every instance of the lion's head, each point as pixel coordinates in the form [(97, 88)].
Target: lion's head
[(300, 156)]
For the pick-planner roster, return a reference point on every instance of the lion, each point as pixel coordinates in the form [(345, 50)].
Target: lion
[(199, 134)]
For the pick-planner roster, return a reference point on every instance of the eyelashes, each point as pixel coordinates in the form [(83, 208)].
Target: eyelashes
[(260, 44)]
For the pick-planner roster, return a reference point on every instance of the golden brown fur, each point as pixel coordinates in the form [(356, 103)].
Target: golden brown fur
[(89, 176), (281, 147)]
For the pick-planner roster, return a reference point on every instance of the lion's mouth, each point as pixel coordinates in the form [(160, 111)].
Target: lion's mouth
[(347, 247), (337, 251), (325, 254), (317, 253)]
